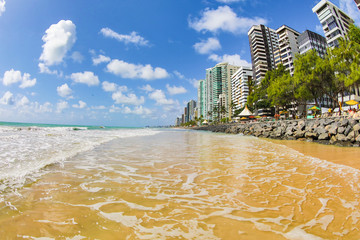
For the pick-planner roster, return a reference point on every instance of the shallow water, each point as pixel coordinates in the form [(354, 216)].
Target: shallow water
[(186, 185)]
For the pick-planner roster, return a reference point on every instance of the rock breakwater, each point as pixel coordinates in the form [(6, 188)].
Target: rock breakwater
[(339, 131)]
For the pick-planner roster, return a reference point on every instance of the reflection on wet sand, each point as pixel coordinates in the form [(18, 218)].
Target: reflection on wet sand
[(188, 185)]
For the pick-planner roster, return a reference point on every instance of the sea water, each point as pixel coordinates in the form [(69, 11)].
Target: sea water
[(58, 183)]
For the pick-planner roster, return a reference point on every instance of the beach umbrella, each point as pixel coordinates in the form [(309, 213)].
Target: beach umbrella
[(314, 108), (352, 102), (243, 118), (245, 113)]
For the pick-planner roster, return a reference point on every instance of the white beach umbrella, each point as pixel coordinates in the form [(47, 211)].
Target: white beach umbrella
[(245, 113)]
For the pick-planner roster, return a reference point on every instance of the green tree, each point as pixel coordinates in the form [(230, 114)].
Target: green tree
[(308, 82)]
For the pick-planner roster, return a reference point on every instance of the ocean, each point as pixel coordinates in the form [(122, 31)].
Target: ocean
[(82, 182)]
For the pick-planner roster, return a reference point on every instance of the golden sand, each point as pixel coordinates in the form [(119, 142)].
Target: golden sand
[(191, 185)]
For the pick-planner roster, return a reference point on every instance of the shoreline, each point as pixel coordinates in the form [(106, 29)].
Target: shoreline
[(338, 131)]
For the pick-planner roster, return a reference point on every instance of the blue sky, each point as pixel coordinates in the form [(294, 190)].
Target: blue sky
[(125, 62)]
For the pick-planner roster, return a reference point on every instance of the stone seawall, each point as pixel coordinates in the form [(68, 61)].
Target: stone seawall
[(339, 131)]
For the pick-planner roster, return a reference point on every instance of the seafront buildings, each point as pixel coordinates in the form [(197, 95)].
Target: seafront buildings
[(263, 45), (218, 82), (288, 46), (357, 3), (335, 22), (226, 86), (201, 99), (309, 40), (240, 87)]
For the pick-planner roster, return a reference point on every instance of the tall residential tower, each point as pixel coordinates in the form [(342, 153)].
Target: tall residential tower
[(218, 81), (335, 22), (309, 40), (288, 46), (263, 43)]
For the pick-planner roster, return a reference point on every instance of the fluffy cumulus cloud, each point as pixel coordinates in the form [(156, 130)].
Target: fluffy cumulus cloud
[(207, 46), (138, 110), (80, 105), (64, 91), (100, 59), (24, 101), (12, 77), (61, 106), (88, 78), (225, 19), (147, 88), (2, 6), (58, 40), (113, 87), (175, 90), (133, 37), (159, 97), (133, 71), (351, 9), (130, 99), (231, 59), (7, 99)]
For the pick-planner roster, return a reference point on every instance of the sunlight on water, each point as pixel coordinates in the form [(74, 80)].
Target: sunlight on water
[(187, 185)]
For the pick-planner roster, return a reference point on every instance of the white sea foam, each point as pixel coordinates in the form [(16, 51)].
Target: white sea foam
[(26, 150)]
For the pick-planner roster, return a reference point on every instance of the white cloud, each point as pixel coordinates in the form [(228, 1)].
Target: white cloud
[(109, 87), (175, 90), (23, 101), (27, 82), (130, 99), (231, 59), (129, 70), (42, 108), (64, 91), (133, 38), (349, 7), (225, 19), (100, 59), (77, 57), (179, 75), (2, 6), (45, 69), (80, 105), (138, 110), (160, 98), (7, 99), (58, 40), (207, 46), (86, 77), (147, 88), (61, 106), (194, 82), (12, 76)]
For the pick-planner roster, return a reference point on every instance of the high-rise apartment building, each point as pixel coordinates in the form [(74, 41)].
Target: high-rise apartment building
[(309, 40), (239, 87), (263, 43), (335, 22), (218, 81), (288, 46), (191, 110), (202, 98), (357, 3)]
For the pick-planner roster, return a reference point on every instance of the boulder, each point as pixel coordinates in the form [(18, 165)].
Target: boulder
[(324, 136), (341, 137)]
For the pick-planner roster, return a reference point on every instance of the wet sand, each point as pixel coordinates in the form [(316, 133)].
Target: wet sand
[(189, 185), (348, 156)]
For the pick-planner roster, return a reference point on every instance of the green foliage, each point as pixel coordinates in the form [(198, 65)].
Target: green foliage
[(313, 78)]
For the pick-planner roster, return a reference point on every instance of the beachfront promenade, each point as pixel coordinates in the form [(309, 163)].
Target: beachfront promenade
[(341, 131)]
